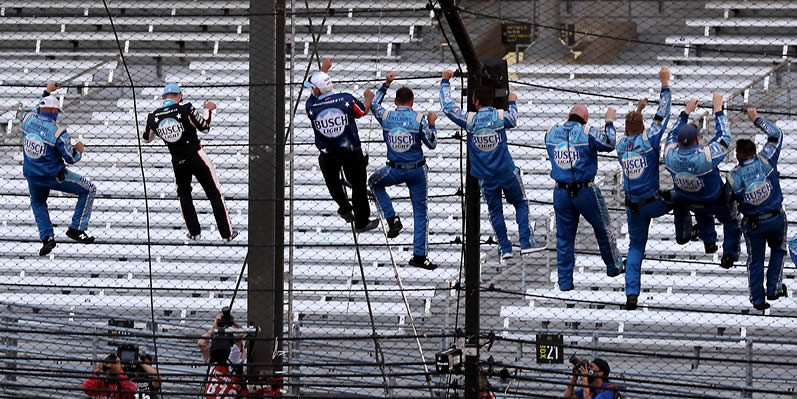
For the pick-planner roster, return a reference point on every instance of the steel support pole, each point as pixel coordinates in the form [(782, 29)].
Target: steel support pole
[(472, 212), (266, 183)]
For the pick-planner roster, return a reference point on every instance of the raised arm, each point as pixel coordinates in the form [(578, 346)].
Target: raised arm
[(604, 141), (720, 144), (361, 108), (378, 110), (428, 131), (51, 87), (662, 118), (683, 118), (452, 111), (771, 150), (510, 117)]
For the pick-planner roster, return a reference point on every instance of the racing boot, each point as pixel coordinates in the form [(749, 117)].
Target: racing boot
[(631, 302), (348, 216), (710, 247), (422, 262), (372, 224), (727, 261), (784, 293), (394, 227), (761, 306), (47, 246), (79, 236)]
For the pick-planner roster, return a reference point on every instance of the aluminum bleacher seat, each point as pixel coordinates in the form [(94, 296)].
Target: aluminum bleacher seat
[(624, 320), (655, 300), (750, 5)]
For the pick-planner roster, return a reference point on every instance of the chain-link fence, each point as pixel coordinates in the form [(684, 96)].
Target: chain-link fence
[(359, 321)]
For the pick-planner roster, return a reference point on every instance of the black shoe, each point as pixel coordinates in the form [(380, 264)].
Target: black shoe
[(711, 247), (761, 306), (79, 236), (348, 216), (47, 246), (727, 261), (619, 271), (394, 227), (693, 235), (422, 262), (631, 302), (784, 293), (372, 224), (232, 236)]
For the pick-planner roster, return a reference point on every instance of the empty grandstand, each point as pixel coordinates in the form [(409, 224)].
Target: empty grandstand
[(357, 321)]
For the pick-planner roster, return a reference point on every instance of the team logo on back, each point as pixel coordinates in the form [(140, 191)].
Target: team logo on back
[(565, 155), (634, 165), (486, 139), (757, 192), (34, 146), (170, 130), (331, 122), (400, 140), (688, 182)]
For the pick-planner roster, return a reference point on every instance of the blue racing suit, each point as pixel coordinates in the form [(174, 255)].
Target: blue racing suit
[(404, 130), (46, 145), (573, 151), (491, 163), (639, 158), (793, 249), (698, 185), (756, 185)]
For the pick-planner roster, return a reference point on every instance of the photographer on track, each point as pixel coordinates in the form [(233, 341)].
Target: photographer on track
[(593, 377), (224, 353), (108, 381), (137, 365), (223, 320)]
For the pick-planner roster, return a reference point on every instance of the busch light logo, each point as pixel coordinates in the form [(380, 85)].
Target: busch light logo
[(486, 139), (757, 192), (688, 182), (400, 140), (565, 155), (34, 146), (634, 165), (331, 122), (170, 130)]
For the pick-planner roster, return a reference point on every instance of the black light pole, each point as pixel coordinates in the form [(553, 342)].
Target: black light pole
[(472, 212)]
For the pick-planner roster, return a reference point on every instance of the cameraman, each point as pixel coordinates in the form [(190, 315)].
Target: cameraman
[(109, 382), (223, 320), (594, 379), (141, 372)]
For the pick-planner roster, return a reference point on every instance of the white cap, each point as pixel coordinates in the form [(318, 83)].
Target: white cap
[(50, 102), (321, 81)]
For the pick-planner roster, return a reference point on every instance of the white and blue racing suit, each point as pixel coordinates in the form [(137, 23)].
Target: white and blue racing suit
[(46, 145), (698, 185), (492, 165), (573, 151), (404, 130), (756, 185), (639, 158)]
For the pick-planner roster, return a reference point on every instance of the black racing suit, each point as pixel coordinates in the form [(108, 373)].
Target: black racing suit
[(177, 124)]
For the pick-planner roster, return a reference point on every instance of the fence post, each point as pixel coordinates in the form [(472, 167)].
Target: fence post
[(10, 342), (295, 379), (749, 359)]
